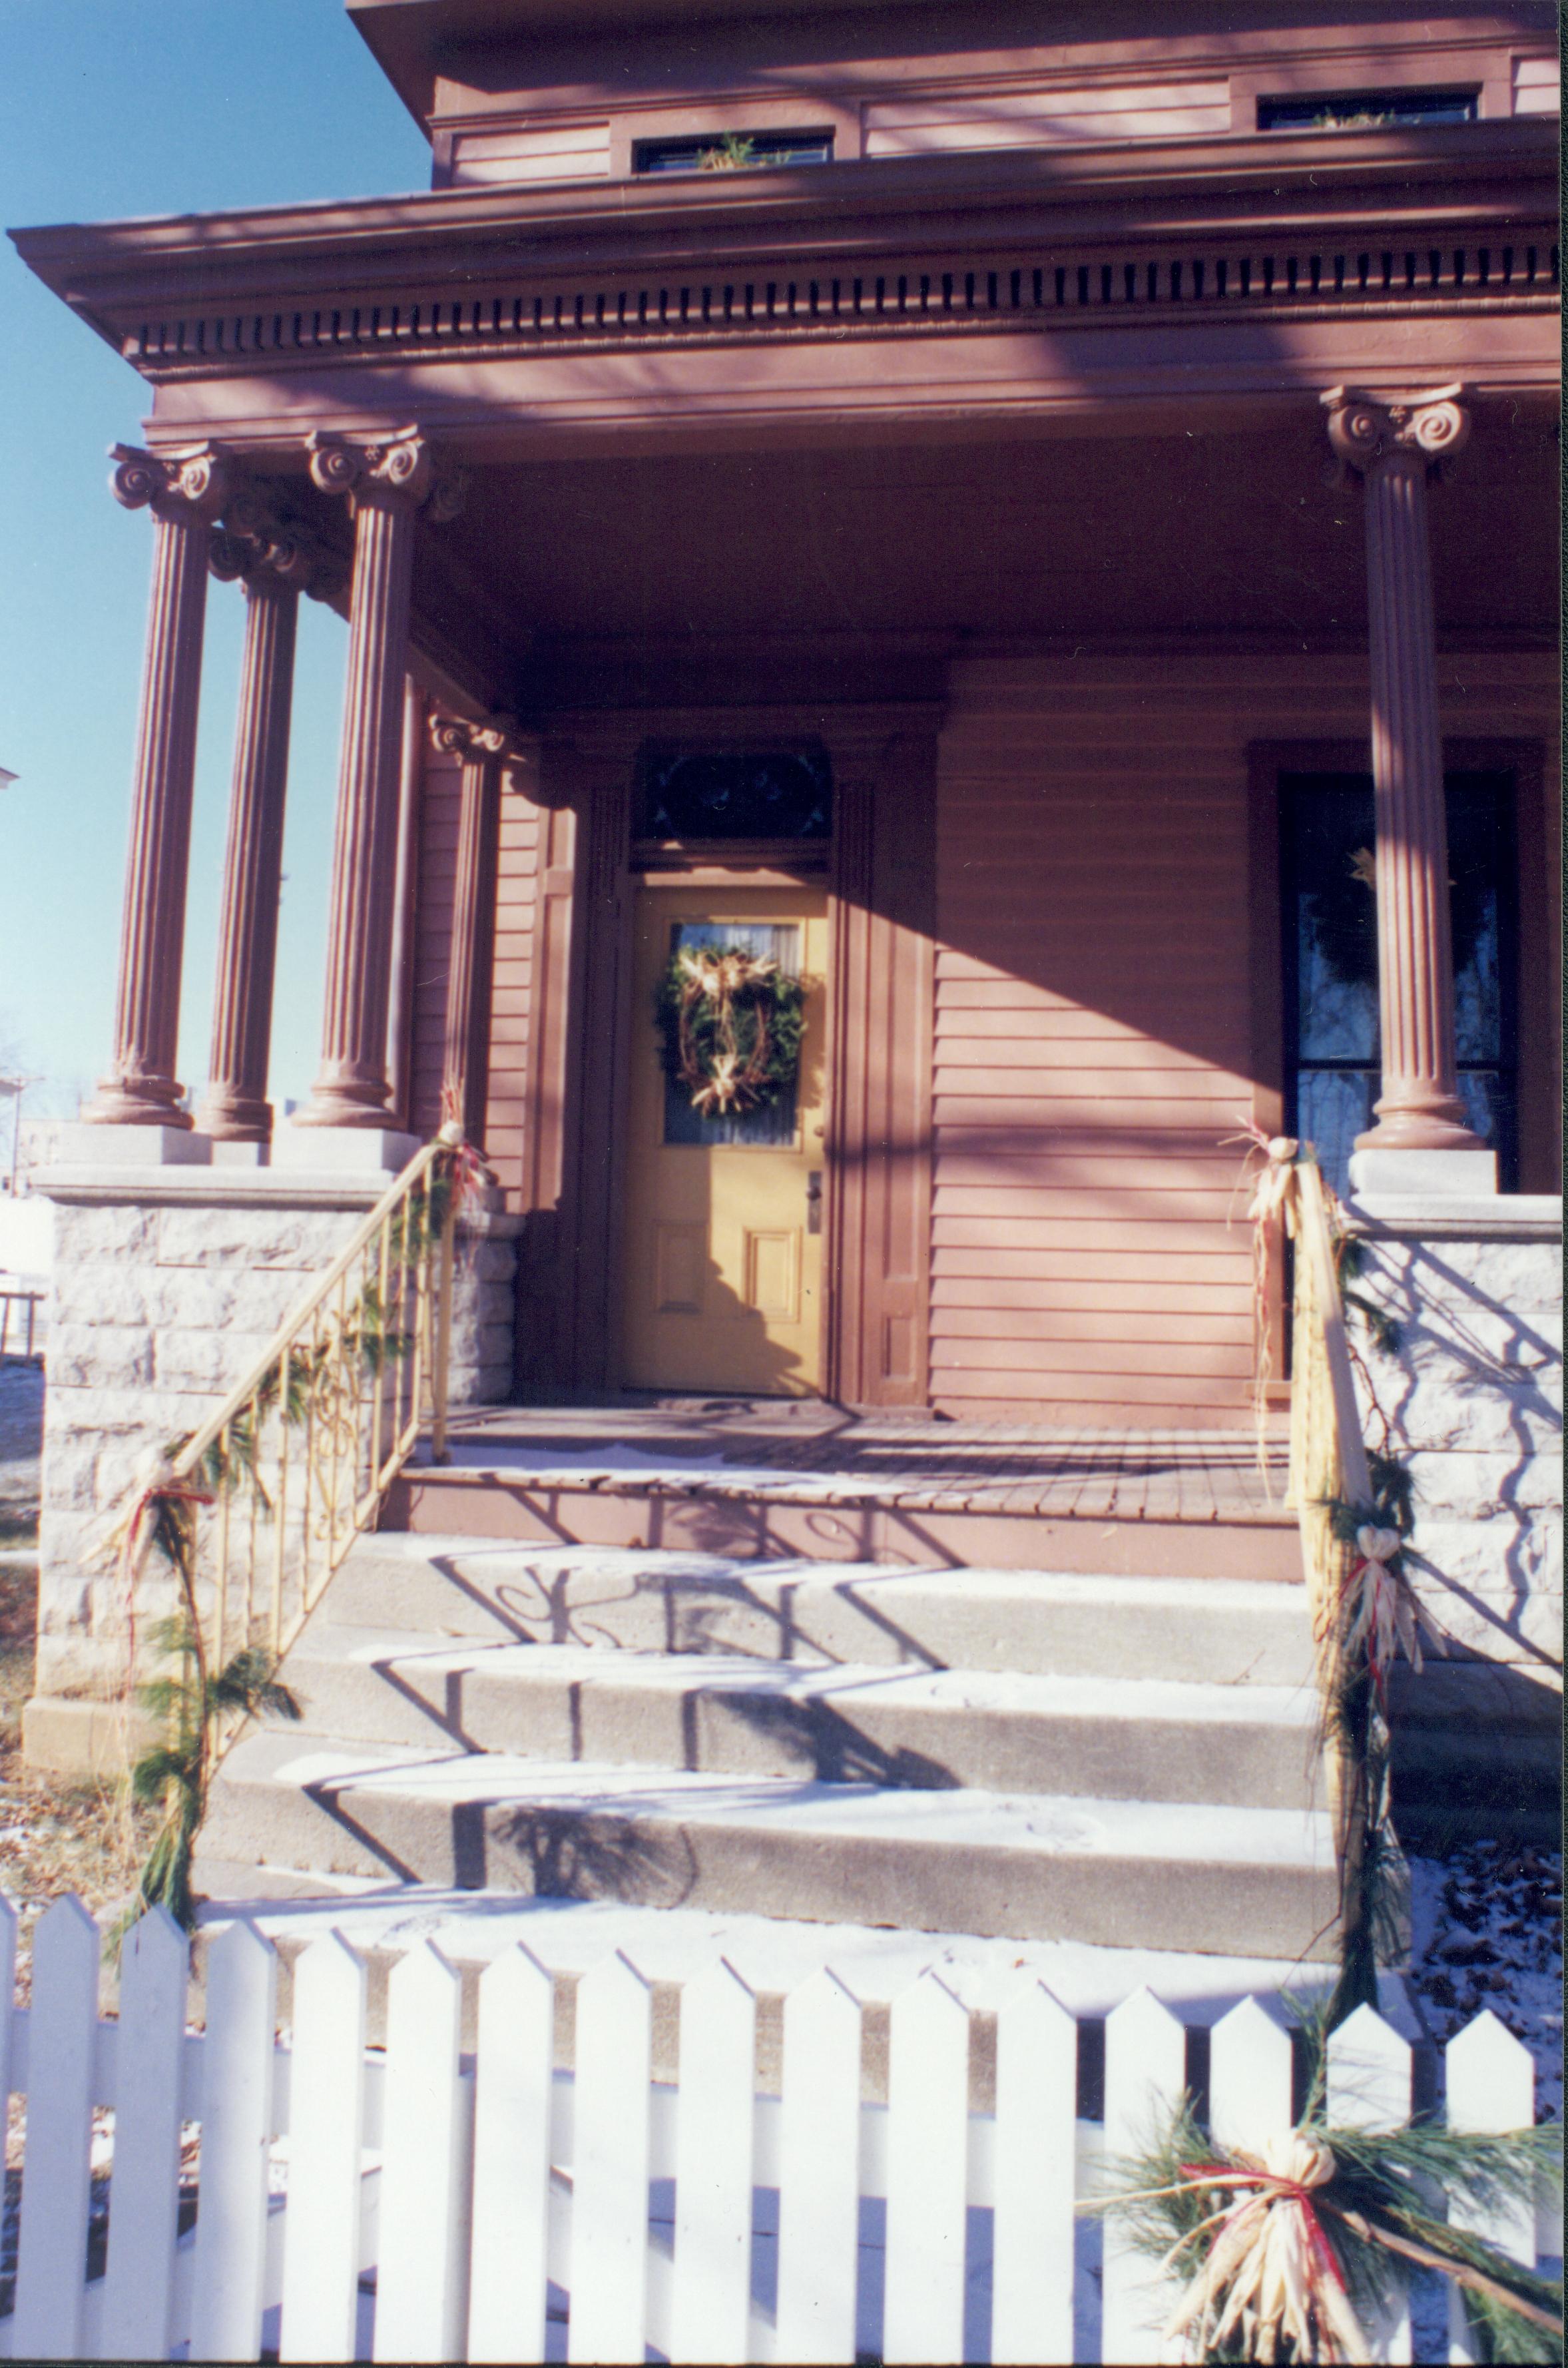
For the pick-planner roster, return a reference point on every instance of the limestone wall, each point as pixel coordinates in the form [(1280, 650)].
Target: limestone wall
[(160, 1302), (1474, 1398)]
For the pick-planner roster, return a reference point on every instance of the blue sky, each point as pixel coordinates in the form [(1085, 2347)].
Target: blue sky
[(112, 108)]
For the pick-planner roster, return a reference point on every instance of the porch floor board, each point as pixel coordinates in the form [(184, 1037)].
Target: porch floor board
[(907, 1462)]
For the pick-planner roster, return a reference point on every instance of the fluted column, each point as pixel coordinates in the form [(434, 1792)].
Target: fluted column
[(1393, 440), (184, 490), (275, 561), (466, 1047), (387, 484)]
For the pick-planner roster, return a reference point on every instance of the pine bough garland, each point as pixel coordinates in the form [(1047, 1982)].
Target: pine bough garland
[(1288, 2254)]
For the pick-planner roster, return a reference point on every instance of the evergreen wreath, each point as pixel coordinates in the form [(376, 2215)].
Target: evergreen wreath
[(732, 1024)]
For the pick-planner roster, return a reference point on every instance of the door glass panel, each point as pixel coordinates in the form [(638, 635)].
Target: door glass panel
[(774, 1124), (1332, 1052)]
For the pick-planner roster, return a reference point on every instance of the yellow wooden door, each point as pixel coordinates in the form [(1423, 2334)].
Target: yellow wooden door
[(723, 1216)]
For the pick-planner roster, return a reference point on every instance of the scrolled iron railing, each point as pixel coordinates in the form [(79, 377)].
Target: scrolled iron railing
[(254, 1511)]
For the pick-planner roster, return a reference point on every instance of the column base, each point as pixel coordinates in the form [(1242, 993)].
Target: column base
[(137, 1102), (344, 1150), (229, 1151), (233, 1120), (101, 1144), (1428, 1175)]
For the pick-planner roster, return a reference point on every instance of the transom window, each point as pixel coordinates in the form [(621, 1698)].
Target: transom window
[(688, 795)]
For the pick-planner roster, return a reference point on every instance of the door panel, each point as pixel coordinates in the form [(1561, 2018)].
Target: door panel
[(722, 1243)]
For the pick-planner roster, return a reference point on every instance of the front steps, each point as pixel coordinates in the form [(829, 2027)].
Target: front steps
[(1122, 1760)]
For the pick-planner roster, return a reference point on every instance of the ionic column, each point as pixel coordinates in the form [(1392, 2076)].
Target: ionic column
[(1393, 440), (387, 484), (184, 490), (275, 561), (465, 1062)]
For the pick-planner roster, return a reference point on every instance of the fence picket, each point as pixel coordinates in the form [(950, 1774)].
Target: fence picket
[(1032, 2244), (927, 2164), (610, 2161), (144, 2188), (1249, 2078), (52, 2241), (421, 2282), (1145, 2072), (7, 1992), (236, 2139), (1369, 2089), (714, 2132), (1490, 2085), (509, 2257), (321, 2238), (819, 2171)]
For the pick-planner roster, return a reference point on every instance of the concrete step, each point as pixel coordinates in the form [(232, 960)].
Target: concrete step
[(1160, 1875), (931, 1523), (1149, 1739), (1230, 1632)]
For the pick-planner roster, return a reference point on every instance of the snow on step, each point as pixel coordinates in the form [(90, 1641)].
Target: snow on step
[(1229, 1630), (1161, 1874), (1002, 1730)]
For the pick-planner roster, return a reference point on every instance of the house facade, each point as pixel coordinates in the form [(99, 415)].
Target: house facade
[(1039, 529)]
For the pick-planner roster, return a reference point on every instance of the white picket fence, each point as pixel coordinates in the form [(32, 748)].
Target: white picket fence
[(439, 2206)]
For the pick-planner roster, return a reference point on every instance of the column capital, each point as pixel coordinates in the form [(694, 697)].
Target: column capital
[(1371, 430), (187, 483), (262, 542), (403, 466), (454, 735)]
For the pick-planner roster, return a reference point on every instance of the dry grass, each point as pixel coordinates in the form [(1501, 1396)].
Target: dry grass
[(55, 1836)]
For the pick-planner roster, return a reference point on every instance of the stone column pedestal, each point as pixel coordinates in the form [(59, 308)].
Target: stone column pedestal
[(185, 491), (1393, 440)]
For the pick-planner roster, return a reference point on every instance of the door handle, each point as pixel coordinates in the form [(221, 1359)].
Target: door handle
[(813, 1202)]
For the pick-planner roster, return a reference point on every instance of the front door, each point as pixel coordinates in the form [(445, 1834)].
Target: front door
[(722, 1238)]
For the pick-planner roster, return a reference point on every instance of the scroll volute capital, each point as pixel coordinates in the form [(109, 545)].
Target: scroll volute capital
[(262, 541), (498, 742), (1373, 430), (189, 484), (403, 467)]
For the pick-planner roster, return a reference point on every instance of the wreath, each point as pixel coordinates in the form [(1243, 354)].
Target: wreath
[(732, 1023)]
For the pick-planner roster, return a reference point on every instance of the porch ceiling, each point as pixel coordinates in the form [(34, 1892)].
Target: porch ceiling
[(596, 574)]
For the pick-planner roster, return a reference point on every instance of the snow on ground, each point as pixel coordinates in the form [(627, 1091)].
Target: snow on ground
[(1487, 1932)]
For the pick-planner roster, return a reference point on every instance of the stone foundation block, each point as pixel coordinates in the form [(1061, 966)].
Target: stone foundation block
[(113, 1355)]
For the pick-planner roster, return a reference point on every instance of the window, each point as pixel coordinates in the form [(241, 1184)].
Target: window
[(1330, 936), (1366, 111), (733, 151), (774, 1124), (690, 795)]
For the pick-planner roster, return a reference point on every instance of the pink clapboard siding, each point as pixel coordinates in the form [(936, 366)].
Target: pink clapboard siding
[(1026, 119), (1092, 1045)]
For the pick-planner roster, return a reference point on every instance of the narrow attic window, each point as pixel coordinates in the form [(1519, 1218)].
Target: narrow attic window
[(1366, 111), (733, 151)]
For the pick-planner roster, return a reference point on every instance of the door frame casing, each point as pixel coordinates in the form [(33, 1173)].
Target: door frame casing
[(880, 877)]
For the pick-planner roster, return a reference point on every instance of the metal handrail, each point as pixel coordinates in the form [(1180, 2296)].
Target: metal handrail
[(297, 1461), (1329, 1471)]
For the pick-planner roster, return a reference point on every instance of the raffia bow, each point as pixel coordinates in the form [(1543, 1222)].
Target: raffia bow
[(1270, 2272), (1380, 1611), (729, 1083)]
